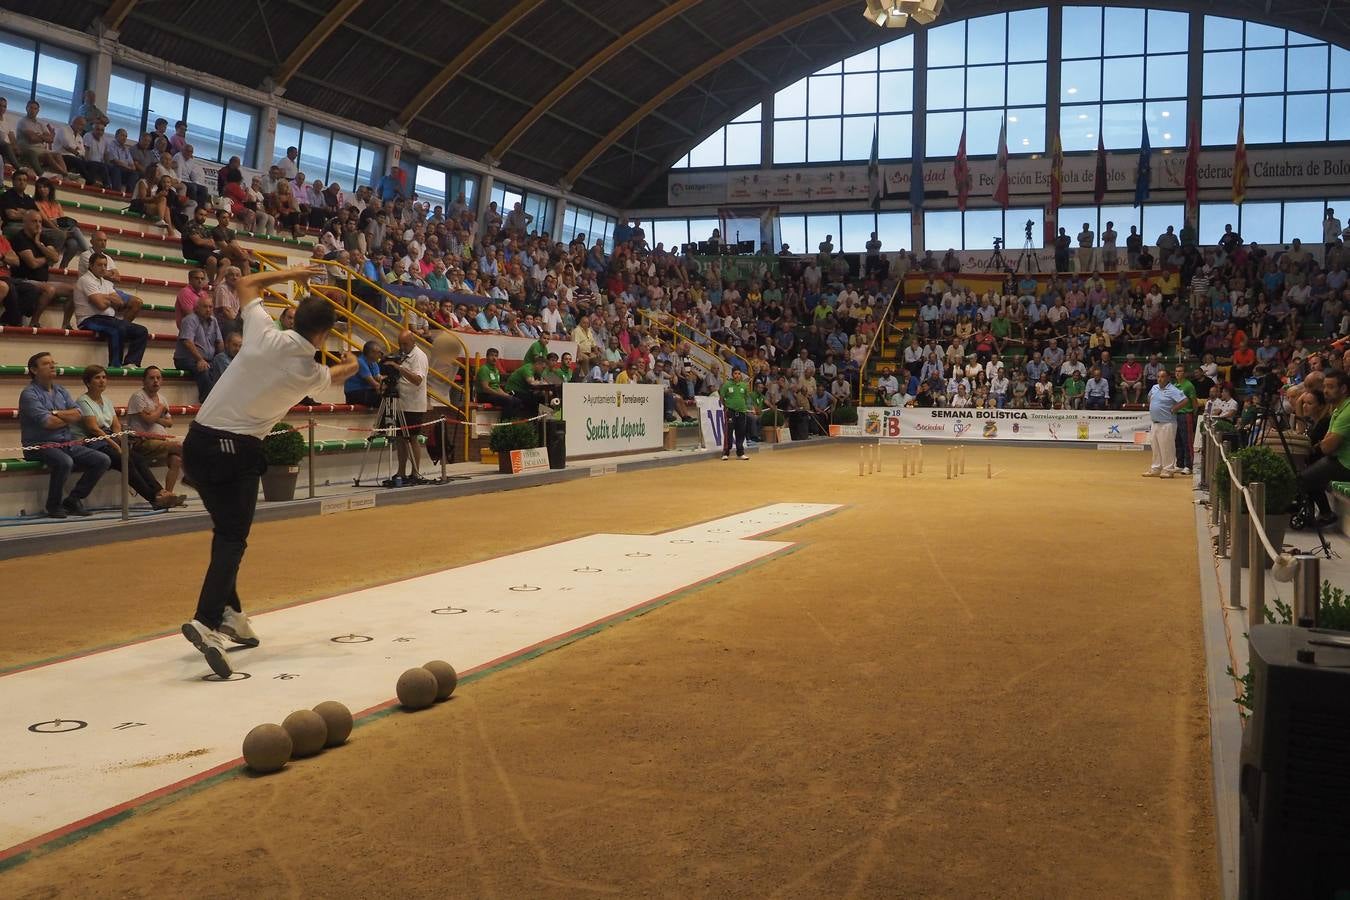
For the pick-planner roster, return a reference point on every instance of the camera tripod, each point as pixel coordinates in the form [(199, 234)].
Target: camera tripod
[(1029, 257), (1268, 417), (389, 418), (997, 262)]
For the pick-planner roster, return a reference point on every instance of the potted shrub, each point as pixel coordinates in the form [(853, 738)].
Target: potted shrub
[(772, 422), (844, 415), (1272, 469), (515, 436), (284, 449)]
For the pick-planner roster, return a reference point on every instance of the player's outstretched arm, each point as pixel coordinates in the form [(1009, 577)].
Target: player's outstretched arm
[(249, 288)]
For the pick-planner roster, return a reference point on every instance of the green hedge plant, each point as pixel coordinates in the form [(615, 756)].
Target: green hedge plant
[(1265, 465), (515, 436), (284, 447)]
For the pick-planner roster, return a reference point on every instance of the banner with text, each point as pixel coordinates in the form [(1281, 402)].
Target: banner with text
[(1068, 425), (612, 418), (711, 420)]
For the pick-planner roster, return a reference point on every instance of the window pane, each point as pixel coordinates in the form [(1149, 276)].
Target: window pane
[(1340, 117), (1168, 32), (1222, 34), (1026, 35), (670, 232), (753, 114), (1157, 216), (819, 229), (1340, 67), (1123, 79), (1026, 130), (860, 93), (1264, 121), (1167, 123), (792, 231), (1259, 35), (1298, 38), (825, 95), (1080, 81), (16, 70), (943, 135), (1015, 227), (897, 91), (1222, 74), (1265, 72), (1305, 117), (709, 151), (1073, 217), (314, 147), (126, 102), (1166, 76), (789, 141), (946, 88), (346, 153), (896, 137), (287, 135), (1078, 129), (1123, 32), (166, 102), (942, 230), (60, 79), (863, 62), (429, 184), (897, 54), (857, 231), (982, 128), (1218, 122), (1213, 218), (1303, 220), (822, 143), (985, 40), (982, 226), (790, 102), (241, 124), (205, 118), (743, 144), (1308, 69), (984, 86), (1026, 84), (894, 230), (1261, 222), (947, 45), (858, 137), (1082, 31), (370, 164), (1122, 125), (1123, 217)]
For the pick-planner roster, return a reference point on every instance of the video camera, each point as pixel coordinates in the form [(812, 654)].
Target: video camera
[(1030, 226), (998, 243), (390, 371)]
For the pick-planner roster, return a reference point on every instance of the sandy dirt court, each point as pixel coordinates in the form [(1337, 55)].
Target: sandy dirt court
[(948, 689)]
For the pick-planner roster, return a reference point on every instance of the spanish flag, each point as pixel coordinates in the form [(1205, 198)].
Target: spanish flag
[(1001, 186), (961, 172), (1056, 175), (1240, 168)]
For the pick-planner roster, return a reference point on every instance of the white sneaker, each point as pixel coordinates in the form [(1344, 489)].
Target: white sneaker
[(1185, 471), (743, 458), (212, 646), (236, 627), (1165, 475), (1151, 473), (725, 457)]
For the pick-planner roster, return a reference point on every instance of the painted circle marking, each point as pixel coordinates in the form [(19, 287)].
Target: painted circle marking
[(585, 570), (527, 588), (234, 676), (57, 726), (352, 639), (448, 611), (638, 555), (681, 541)]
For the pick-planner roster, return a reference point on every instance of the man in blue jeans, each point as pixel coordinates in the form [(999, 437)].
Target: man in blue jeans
[(97, 305), (1185, 418), (46, 413)]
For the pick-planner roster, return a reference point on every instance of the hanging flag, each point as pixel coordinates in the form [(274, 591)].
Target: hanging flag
[(1001, 182), (1240, 168), (1056, 189), (1143, 179), (876, 187), (1193, 174), (1099, 192), (961, 172)]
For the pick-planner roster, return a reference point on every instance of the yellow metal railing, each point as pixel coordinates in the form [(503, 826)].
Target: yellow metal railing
[(882, 332), (656, 320)]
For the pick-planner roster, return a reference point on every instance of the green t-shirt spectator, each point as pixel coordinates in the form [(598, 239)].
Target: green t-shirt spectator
[(520, 379), (735, 395), (1185, 386), (1001, 327), (537, 351), (1073, 387), (489, 376), (1340, 425)]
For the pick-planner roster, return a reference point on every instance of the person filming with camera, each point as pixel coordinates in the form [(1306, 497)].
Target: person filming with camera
[(409, 372), (1334, 447)]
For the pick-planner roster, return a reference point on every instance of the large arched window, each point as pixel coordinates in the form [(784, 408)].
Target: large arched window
[(735, 144)]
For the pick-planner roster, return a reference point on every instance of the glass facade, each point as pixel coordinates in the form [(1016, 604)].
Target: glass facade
[(734, 144), (32, 69), (593, 224), (328, 155), (218, 127), (540, 206), (440, 187)]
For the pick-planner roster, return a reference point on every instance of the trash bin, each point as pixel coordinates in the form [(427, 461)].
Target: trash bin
[(555, 440), (799, 425)]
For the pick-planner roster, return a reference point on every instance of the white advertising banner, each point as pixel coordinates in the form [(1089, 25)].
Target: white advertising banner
[(712, 420), (604, 419), (1270, 168), (1068, 425)]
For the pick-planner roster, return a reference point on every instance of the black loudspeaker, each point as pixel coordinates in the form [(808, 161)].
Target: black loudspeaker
[(555, 440), (1295, 783)]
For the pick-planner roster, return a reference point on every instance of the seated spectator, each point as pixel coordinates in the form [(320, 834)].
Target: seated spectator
[(190, 174), (199, 247), (46, 414), (99, 419), (1131, 380), (35, 139), (227, 244), (113, 153), (1097, 393), (155, 201), (363, 388), (225, 300), (190, 295), (199, 340), (32, 274), (8, 142), (234, 342), (59, 228), (98, 306), (68, 141), (150, 418)]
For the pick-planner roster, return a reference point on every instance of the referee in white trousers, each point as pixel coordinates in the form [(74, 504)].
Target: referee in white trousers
[(223, 452), (1164, 401)]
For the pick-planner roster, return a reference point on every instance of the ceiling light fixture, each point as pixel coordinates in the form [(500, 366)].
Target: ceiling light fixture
[(898, 13)]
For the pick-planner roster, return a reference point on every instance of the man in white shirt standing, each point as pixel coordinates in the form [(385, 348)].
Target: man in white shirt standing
[(223, 453), (97, 304), (193, 176), (412, 397)]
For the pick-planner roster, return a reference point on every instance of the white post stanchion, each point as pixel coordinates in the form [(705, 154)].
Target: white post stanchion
[(1256, 556), (125, 445), (1235, 536)]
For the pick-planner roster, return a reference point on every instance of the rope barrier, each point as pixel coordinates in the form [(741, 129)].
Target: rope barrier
[(446, 419), (1276, 556)]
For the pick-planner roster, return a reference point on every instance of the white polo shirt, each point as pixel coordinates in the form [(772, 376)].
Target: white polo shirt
[(413, 396), (274, 370), (89, 283)]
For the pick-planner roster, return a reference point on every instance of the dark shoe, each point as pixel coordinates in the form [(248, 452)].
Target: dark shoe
[(75, 506), (57, 512)]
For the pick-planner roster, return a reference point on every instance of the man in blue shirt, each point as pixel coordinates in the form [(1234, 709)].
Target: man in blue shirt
[(390, 187), (46, 413), (1165, 400)]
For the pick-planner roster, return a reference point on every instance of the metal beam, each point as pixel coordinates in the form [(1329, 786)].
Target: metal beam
[(695, 74), (117, 14), (317, 35), (466, 56), (586, 69)]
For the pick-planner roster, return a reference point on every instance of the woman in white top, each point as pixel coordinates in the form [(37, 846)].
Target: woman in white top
[(100, 420)]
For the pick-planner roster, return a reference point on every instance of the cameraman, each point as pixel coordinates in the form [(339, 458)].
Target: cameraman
[(1334, 448), (412, 397), (363, 388)]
